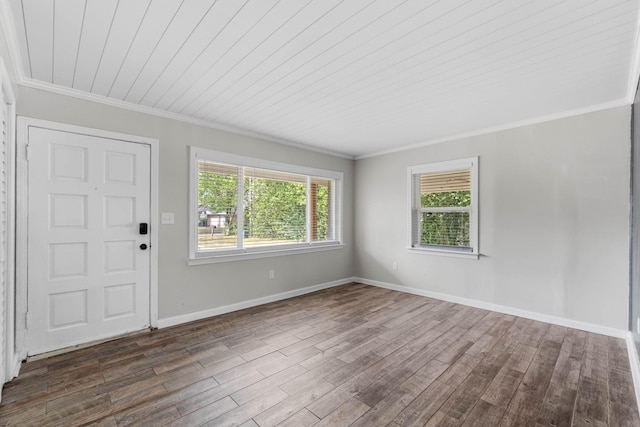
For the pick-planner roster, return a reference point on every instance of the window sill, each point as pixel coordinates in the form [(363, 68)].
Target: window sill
[(257, 254), (444, 252)]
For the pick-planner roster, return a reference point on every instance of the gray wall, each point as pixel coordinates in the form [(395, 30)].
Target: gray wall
[(185, 289), (554, 219), (554, 215)]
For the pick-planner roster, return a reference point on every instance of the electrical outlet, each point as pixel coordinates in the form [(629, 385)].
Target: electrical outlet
[(395, 265), (272, 274)]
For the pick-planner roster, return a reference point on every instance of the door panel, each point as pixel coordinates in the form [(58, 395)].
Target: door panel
[(88, 278)]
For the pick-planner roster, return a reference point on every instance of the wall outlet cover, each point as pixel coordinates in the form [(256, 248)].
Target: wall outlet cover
[(167, 218)]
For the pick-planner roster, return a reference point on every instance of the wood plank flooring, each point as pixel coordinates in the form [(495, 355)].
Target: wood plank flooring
[(352, 355)]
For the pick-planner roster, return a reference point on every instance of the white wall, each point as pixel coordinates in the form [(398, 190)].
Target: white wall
[(554, 219), (184, 289)]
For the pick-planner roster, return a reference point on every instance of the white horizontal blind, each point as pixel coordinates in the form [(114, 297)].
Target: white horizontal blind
[(442, 182)]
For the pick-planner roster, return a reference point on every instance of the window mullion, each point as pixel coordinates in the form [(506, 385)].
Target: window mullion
[(240, 210), (332, 233), (416, 218), (308, 222)]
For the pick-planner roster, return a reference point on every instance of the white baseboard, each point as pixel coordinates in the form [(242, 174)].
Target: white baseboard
[(198, 315), (561, 321), (635, 366)]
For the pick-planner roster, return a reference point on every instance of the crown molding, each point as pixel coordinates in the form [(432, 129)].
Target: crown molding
[(503, 127), (36, 84)]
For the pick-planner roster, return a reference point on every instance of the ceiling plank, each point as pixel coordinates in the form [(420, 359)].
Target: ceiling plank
[(38, 20), (124, 31), (178, 33), (69, 16), (96, 27), (231, 45), (21, 35), (157, 20), (283, 41), (231, 19)]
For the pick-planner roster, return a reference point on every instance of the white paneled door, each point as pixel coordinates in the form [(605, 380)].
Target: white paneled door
[(88, 251)]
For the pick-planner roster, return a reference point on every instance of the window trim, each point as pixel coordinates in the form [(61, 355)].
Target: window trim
[(451, 165), (232, 254)]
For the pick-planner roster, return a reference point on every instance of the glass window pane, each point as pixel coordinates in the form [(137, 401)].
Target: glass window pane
[(320, 209), (275, 207), (450, 229), (217, 205)]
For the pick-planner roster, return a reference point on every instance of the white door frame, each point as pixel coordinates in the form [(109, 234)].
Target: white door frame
[(23, 124)]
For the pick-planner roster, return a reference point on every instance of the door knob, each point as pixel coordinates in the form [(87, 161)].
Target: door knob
[(143, 246)]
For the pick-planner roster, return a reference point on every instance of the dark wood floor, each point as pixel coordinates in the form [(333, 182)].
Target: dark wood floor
[(351, 355)]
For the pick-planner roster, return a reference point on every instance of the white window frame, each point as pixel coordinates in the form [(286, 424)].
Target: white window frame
[(413, 198), (239, 253)]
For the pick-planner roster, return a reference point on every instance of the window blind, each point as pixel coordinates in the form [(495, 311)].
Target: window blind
[(445, 209), (243, 208)]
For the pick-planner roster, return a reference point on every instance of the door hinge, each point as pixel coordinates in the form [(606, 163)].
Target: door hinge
[(27, 152), (26, 320)]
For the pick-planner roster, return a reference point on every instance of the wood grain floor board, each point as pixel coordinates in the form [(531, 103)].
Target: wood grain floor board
[(527, 401), (298, 383), (346, 414), (349, 355), (555, 408), (484, 414), (294, 403), (302, 418), (200, 400)]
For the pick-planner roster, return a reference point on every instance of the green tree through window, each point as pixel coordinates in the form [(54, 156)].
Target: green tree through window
[(274, 206), (445, 228), (275, 209)]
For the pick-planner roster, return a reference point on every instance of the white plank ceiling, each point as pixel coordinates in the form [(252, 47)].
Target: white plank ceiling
[(354, 76)]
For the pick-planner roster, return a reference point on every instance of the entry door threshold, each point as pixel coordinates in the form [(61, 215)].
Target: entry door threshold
[(85, 345)]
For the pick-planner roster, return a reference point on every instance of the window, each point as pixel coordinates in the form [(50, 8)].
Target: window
[(247, 208), (444, 207)]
